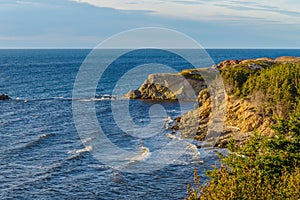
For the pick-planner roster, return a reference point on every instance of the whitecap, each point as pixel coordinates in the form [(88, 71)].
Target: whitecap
[(176, 136), (78, 151), (144, 153), (43, 136), (171, 136), (194, 150), (86, 149)]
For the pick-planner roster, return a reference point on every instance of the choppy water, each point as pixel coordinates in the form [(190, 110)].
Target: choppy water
[(41, 154)]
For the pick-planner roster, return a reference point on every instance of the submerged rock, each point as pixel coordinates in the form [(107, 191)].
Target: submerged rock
[(4, 97)]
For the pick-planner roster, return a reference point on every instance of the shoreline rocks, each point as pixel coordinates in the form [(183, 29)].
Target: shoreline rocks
[(243, 115)]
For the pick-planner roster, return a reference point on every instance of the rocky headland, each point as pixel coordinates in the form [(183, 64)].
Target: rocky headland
[(246, 112), (184, 86)]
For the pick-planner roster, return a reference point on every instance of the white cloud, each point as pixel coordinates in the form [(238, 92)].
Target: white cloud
[(284, 11), (28, 3)]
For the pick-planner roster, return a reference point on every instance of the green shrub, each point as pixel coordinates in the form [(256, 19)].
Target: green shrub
[(235, 77), (192, 74), (278, 87), (266, 167), (251, 185)]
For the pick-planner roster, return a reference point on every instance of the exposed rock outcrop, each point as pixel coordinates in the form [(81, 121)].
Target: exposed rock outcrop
[(4, 97), (257, 62), (242, 118), (184, 86), (194, 123), (287, 59), (227, 63)]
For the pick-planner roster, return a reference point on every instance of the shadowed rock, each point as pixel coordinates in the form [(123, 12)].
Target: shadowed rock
[(4, 97)]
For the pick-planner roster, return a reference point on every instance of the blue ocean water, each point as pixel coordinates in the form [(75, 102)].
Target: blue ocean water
[(41, 154)]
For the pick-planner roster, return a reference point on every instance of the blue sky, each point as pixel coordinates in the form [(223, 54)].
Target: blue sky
[(214, 23)]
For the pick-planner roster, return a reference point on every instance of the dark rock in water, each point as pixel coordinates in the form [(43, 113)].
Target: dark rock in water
[(4, 97)]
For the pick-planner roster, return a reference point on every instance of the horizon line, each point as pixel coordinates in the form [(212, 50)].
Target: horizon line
[(91, 48)]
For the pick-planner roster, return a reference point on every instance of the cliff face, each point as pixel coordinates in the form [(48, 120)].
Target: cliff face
[(241, 119), (244, 115)]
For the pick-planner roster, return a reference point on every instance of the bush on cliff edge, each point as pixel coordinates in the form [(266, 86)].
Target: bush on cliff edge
[(266, 167)]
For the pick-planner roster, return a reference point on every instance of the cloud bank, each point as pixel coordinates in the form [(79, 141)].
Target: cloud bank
[(257, 11), (85, 23)]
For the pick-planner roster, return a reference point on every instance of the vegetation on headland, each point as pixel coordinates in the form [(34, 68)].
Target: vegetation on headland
[(192, 74), (263, 101), (267, 166), (277, 86)]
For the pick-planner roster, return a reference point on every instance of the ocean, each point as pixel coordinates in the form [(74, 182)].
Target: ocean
[(41, 154)]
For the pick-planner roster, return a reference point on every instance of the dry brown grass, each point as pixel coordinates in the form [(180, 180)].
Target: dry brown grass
[(252, 185)]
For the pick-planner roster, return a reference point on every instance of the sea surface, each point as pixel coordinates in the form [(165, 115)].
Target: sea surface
[(41, 153)]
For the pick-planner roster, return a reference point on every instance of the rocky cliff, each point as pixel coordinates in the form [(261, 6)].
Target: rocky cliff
[(244, 115), (241, 120)]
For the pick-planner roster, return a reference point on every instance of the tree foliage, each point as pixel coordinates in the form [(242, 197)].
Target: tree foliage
[(278, 86), (266, 167)]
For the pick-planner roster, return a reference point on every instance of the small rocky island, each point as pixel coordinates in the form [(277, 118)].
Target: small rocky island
[(251, 103), (4, 97)]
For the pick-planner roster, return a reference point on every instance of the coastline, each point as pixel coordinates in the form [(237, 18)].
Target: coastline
[(244, 116)]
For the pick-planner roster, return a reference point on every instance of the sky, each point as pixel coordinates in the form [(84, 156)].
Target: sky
[(85, 23)]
